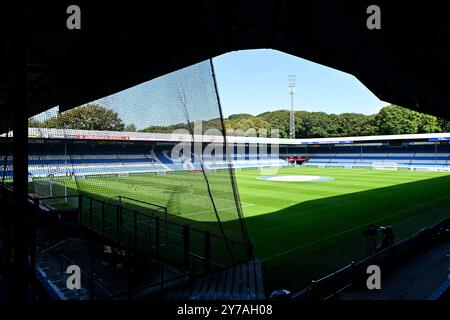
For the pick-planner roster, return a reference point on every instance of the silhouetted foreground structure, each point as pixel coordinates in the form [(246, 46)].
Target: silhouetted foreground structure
[(42, 62)]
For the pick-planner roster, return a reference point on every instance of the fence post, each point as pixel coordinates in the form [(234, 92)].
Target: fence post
[(352, 270), (103, 218), (308, 295), (91, 223), (314, 294), (161, 270), (165, 222), (91, 271), (80, 207), (250, 250), (186, 245), (130, 275), (157, 235), (33, 242), (121, 222), (118, 223), (61, 263), (135, 231), (207, 251)]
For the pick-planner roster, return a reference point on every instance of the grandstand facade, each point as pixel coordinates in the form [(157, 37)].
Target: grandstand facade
[(82, 152), (179, 226)]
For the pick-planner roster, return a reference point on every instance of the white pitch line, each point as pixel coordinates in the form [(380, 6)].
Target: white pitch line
[(208, 211), (351, 229)]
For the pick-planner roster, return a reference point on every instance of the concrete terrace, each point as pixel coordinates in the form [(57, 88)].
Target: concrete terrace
[(419, 279)]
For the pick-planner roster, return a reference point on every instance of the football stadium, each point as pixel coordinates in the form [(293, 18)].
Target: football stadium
[(304, 207), (143, 161)]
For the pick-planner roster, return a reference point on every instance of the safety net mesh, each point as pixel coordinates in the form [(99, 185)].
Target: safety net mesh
[(6, 150), (148, 164)]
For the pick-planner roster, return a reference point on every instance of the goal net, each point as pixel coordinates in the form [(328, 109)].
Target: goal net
[(181, 121), (54, 191), (123, 174), (384, 166), (424, 168)]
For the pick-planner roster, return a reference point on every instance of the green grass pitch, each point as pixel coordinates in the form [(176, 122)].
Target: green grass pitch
[(300, 230)]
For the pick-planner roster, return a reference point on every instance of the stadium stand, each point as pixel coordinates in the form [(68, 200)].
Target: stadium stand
[(385, 156), (84, 157), (413, 157), (77, 157)]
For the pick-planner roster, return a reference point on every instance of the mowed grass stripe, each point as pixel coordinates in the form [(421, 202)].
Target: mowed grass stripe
[(359, 227), (300, 229), (306, 229)]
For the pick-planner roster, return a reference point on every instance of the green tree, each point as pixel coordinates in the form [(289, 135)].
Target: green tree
[(370, 128), (390, 120), (33, 123), (397, 120), (278, 120), (246, 124), (157, 129), (87, 117), (240, 116), (355, 124), (130, 128), (444, 124), (206, 125), (428, 124)]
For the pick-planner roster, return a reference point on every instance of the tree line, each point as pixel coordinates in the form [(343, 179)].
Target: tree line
[(391, 119)]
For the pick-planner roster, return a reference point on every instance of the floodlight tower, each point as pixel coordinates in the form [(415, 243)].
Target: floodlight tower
[(291, 87)]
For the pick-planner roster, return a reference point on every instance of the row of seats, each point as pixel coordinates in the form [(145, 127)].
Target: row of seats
[(398, 158), (91, 158)]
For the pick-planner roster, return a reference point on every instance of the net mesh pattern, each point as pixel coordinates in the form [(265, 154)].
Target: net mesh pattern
[(142, 148), (6, 150)]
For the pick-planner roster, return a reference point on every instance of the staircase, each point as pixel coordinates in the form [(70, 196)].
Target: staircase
[(447, 161), (332, 158), (243, 281)]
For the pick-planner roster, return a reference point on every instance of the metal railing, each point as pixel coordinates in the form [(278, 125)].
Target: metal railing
[(85, 254), (95, 290), (354, 275), (148, 233)]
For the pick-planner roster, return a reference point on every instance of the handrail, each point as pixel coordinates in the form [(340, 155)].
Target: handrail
[(152, 217), (144, 202), (366, 260), (338, 291), (53, 247), (153, 284), (57, 197)]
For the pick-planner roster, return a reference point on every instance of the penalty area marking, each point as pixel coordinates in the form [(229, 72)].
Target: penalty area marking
[(243, 205), (295, 178)]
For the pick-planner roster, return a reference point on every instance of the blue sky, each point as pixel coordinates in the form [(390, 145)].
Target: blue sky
[(255, 81), (249, 81)]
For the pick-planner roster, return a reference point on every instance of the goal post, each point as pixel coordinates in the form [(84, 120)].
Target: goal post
[(384, 165), (53, 190), (425, 168), (123, 174)]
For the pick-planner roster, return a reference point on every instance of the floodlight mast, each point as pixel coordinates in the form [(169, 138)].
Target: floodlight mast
[(291, 88)]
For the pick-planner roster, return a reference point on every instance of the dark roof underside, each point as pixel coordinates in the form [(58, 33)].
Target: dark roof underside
[(407, 62)]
